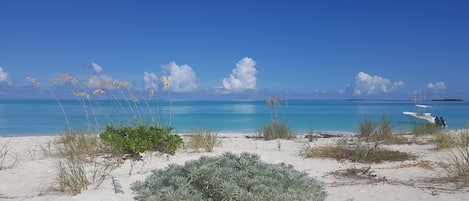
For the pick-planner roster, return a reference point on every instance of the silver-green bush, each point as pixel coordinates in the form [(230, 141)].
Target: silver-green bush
[(229, 177)]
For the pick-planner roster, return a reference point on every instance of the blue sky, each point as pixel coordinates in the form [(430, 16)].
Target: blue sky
[(238, 49)]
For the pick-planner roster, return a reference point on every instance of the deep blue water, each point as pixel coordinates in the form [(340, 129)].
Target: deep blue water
[(45, 117)]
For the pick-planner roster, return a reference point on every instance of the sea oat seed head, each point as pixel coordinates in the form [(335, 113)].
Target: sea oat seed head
[(165, 81), (34, 81), (99, 91)]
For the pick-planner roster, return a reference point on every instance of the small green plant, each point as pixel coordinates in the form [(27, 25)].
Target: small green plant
[(203, 139), (276, 129), (229, 177), (135, 140)]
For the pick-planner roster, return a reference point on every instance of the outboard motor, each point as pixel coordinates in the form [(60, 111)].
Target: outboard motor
[(438, 121), (443, 122)]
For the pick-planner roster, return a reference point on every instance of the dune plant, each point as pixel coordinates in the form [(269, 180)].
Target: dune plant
[(7, 158), (277, 128), (71, 176), (205, 139), (105, 102), (79, 162), (426, 129), (228, 177), (135, 140), (78, 146), (366, 128), (457, 166), (369, 132), (356, 150)]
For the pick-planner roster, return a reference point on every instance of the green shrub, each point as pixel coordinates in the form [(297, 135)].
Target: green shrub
[(228, 177), (135, 140), (276, 129)]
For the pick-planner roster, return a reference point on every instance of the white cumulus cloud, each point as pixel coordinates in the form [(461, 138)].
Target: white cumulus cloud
[(372, 84), (181, 78), (436, 87), (150, 80), (3, 75), (97, 68), (243, 77)]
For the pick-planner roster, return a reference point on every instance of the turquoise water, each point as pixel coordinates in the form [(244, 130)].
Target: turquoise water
[(45, 117)]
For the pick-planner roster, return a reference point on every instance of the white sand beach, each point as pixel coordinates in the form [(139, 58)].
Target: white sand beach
[(31, 176)]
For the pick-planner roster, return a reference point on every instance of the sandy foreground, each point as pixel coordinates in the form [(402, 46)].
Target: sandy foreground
[(32, 176)]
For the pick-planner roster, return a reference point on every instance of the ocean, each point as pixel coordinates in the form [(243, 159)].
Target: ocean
[(51, 117)]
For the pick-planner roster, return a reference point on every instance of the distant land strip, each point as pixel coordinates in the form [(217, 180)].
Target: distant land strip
[(449, 99)]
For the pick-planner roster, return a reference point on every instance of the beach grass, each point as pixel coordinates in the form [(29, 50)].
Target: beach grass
[(365, 147), (203, 139), (356, 151)]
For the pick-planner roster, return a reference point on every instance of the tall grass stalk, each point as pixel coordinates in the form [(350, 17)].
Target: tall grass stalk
[(458, 164), (277, 127), (79, 162)]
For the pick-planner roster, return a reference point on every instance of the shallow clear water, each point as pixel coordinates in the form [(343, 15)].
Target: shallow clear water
[(41, 117)]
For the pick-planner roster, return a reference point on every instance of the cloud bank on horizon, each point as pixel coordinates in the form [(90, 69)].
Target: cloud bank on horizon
[(183, 79)]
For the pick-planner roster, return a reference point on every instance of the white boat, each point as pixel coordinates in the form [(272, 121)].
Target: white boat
[(420, 114)]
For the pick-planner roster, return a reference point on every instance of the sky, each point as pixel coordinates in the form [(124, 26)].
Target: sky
[(238, 49)]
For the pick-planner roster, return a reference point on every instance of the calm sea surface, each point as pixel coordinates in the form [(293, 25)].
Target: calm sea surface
[(46, 117)]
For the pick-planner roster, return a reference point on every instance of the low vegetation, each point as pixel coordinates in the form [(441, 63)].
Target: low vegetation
[(369, 132), (229, 177), (204, 139), (426, 129), (79, 154), (365, 148), (457, 166), (132, 141), (276, 129), (357, 151)]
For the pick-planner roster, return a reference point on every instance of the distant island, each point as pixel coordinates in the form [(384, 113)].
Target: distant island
[(449, 99)]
